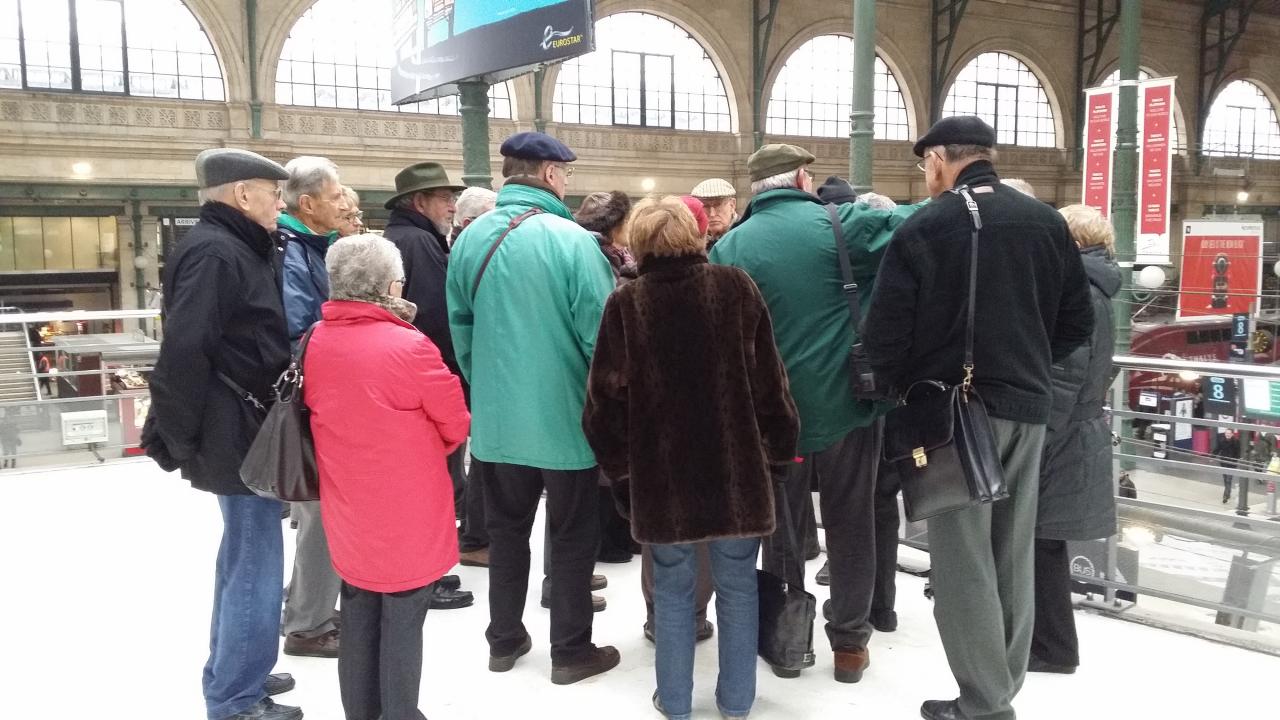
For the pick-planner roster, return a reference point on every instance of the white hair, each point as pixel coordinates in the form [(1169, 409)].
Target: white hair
[(1020, 185), (474, 202), (308, 175), (876, 201), (216, 193), (777, 182), (361, 267)]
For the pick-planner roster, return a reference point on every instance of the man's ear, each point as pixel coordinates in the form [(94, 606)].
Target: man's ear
[(306, 204)]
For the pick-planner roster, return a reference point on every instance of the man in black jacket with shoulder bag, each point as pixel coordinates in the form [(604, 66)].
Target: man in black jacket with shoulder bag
[(1032, 309), (225, 343)]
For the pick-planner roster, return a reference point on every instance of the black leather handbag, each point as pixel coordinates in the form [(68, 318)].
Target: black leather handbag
[(786, 615), (939, 438), (862, 379), (281, 462)]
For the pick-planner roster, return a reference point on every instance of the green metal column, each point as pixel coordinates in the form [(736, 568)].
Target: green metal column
[(862, 119), (255, 99), (539, 77), (1124, 198), (474, 107), (1124, 201), (139, 274)]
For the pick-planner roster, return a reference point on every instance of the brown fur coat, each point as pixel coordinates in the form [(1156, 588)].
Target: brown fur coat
[(688, 397)]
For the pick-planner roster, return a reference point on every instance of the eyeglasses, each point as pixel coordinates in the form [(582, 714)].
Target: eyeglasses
[(276, 191), (359, 215), (922, 166)]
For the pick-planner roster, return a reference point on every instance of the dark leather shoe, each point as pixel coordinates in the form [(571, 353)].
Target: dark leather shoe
[(442, 599), (705, 631), (885, 621), (941, 710), (851, 663), (1036, 665), (826, 610), (475, 558), (599, 582), (824, 575), (278, 683), (598, 604), (503, 663), (267, 709), (449, 582), (321, 646), (602, 659)]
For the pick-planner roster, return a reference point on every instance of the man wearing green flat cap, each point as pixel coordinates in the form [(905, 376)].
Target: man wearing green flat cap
[(421, 218)]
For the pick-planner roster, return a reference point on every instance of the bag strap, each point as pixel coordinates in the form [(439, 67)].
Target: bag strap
[(240, 392), (976, 217), (791, 538), (515, 222), (846, 267), (289, 384)]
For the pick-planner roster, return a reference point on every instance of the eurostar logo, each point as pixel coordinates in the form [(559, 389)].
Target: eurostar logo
[(554, 39)]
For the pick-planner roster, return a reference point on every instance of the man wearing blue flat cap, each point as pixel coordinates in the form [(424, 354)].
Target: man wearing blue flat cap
[(1031, 310), (526, 288)]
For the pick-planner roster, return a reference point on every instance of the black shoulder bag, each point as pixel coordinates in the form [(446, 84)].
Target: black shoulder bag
[(861, 377), (281, 462), (939, 438), (786, 611), (484, 265)]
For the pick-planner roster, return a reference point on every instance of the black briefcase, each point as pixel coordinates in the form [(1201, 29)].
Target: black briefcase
[(940, 442)]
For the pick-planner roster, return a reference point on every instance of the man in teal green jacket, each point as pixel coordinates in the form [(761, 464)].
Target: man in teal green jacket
[(786, 244), (526, 288)]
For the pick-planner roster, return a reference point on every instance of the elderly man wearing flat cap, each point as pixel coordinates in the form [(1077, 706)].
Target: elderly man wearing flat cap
[(720, 201), (421, 219), (225, 343), (526, 288), (1032, 308), (787, 244)]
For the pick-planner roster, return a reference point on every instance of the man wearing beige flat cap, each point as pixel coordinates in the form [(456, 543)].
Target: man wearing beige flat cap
[(720, 199)]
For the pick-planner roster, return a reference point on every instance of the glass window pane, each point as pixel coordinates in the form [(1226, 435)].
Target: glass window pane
[(1243, 122), (46, 40), (1003, 91), (85, 246), (57, 244), (169, 53), (6, 244), (28, 243)]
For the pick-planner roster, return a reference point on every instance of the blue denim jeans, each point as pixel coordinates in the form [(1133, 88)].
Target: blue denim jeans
[(733, 572), (244, 638)]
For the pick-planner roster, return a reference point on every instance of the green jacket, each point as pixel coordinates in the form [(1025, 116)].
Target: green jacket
[(525, 341), (784, 242)]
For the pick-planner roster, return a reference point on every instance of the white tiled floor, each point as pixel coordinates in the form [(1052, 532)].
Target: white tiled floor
[(107, 575)]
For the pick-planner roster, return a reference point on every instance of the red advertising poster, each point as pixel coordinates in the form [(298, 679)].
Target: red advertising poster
[(1099, 112), (1221, 268), (1153, 185)]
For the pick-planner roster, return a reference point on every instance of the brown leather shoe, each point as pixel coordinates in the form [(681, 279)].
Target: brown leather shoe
[(321, 646), (601, 659), (850, 664), (474, 558), (599, 582), (598, 604)]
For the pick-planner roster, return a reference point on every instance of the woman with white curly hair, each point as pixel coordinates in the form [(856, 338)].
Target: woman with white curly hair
[(385, 412)]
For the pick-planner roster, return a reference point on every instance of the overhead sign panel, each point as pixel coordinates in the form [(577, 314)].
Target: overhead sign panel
[(442, 42)]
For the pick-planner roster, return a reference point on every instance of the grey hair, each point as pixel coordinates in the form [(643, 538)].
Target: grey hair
[(308, 175), (215, 193), (777, 182), (876, 201), (361, 267), (1020, 185), (474, 202), (352, 196)]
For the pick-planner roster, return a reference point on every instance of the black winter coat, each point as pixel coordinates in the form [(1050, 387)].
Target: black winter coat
[(425, 253), (1077, 498), (222, 313), (1032, 306)]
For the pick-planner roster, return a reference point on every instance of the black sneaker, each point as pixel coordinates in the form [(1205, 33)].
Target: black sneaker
[(268, 709), (503, 663), (601, 660), (278, 683)]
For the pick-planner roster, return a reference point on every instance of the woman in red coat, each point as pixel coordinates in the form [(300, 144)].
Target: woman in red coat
[(385, 411)]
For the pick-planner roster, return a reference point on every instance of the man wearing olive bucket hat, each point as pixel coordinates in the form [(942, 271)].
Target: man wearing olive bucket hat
[(421, 218)]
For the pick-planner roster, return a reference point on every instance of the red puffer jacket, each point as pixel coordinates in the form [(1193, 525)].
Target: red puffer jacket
[(385, 411)]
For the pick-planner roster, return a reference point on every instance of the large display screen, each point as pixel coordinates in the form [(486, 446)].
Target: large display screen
[(442, 42)]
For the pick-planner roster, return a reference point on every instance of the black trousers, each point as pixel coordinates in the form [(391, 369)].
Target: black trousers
[(380, 658), (1054, 638), (475, 536), (846, 481), (887, 521), (615, 530), (573, 519)]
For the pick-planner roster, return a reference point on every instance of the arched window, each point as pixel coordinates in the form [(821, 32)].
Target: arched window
[(153, 48), (1242, 121), (339, 55), (813, 94), (1000, 89), (1179, 144), (645, 71)]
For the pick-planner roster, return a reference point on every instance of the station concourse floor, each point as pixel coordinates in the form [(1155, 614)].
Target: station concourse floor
[(108, 576)]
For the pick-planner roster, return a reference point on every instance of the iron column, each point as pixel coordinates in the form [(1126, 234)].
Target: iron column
[(474, 107), (1124, 201), (862, 125)]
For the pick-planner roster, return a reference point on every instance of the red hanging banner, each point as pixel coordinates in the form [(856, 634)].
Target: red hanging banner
[(1154, 187), (1100, 104)]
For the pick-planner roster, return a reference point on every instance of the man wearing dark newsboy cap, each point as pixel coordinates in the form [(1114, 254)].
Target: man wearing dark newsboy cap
[(526, 288), (786, 243), (421, 219), (1032, 309), (225, 343)]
